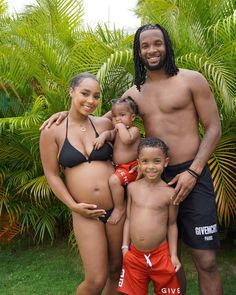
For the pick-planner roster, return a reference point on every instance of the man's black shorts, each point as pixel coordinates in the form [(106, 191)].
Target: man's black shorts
[(197, 218)]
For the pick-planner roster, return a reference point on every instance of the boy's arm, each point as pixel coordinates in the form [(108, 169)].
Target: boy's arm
[(126, 231), (172, 236), (127, 135)]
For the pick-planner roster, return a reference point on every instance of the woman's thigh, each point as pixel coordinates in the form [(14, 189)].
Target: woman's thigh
[(92, 242)]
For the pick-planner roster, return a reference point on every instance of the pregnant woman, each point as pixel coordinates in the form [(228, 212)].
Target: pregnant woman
[(85, 188)]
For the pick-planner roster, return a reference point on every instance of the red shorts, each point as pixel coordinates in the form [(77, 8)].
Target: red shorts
[(139, 268), (122, 171)]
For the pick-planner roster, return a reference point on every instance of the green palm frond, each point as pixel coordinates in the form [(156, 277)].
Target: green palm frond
[(14, 210), (38, 190), (223, 168), (112, 74), (17, 178), (225, 29), (217, 74), (17, 155), (33, 117), (44, 225), (42, 48), (3, 7), (4, 200), (112, 39), (60, 14), (29, 217), (9, 205), (117, 59)]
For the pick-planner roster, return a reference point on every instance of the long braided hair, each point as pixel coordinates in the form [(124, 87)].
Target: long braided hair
[(139, 68)]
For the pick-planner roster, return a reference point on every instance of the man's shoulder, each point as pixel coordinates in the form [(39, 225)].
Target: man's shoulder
[(132, 91), (194, 80), (102, 121), (186, 73)]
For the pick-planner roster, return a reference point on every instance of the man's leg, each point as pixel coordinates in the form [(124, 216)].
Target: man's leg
[(181, 273), (208, 274)]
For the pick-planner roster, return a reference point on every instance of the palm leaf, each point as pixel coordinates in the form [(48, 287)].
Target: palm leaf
[(30, 118), (222, 165), (217, 74), (38, 190), (44, 225)]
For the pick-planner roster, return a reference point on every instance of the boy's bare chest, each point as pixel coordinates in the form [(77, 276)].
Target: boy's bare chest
[(147, 199)]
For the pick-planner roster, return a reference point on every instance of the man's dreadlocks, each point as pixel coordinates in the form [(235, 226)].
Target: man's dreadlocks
[(140, 70)]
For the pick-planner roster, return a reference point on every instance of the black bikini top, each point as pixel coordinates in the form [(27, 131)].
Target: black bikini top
[(70, 156)]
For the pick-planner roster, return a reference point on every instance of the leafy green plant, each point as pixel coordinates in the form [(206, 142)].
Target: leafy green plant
[(42, 48)]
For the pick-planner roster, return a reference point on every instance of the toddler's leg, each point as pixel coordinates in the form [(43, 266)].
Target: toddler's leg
[(117, 191)]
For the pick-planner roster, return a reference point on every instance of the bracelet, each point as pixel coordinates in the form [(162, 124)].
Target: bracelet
[(124, 247), (193, 173)]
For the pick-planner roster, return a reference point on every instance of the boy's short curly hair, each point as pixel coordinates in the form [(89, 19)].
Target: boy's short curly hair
[(153, 142)]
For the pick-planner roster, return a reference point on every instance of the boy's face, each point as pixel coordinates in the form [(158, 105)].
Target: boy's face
[(121, 114), (152, 162)]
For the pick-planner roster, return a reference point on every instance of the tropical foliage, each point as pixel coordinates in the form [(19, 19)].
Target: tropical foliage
[(47, 44)]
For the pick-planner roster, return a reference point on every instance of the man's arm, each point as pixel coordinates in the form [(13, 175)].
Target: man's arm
[(56, 118), (208, 115)]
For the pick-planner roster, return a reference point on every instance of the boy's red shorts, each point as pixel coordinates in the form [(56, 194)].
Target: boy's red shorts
[(123, 172), (139, 268)]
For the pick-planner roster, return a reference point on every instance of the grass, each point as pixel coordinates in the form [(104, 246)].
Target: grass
[(55, 270)]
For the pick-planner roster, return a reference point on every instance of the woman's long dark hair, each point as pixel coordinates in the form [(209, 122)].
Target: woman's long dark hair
[(139, 68)]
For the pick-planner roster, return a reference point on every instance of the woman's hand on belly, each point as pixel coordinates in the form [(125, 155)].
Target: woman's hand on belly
[(88, 210)]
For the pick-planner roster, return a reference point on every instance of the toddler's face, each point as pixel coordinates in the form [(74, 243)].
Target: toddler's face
[(121, 113)]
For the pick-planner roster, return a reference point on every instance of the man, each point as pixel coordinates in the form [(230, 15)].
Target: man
[(172, 102)]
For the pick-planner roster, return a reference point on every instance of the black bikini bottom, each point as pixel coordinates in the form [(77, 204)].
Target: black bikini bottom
[(107, 215)]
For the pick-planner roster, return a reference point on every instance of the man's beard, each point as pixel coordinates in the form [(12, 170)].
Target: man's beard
[(156, 67)]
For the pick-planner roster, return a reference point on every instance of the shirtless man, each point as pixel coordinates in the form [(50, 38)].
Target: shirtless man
[(172, 102)]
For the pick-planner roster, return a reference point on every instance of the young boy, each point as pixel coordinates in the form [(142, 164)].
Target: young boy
[(150, 223), (126, 138)]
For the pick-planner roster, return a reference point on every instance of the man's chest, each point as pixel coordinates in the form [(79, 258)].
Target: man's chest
[(163, 101)]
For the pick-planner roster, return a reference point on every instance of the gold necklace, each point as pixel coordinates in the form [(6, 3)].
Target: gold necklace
[(82, 127)]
